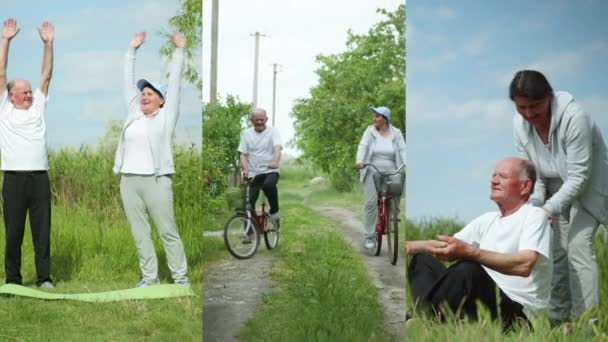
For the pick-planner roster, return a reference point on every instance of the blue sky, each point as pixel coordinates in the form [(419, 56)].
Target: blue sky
[(461, 57), (90, 40)]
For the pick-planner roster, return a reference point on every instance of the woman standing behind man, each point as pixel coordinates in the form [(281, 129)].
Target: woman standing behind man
[(144, 159), (383, 145), (570, 156)]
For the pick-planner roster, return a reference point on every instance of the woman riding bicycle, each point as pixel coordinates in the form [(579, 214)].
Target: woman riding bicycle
[(383, 145)]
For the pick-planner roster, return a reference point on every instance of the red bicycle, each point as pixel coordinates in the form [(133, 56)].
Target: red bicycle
[(243, 230), (389, 186)]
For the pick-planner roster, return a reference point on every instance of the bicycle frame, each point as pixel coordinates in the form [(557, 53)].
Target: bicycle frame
[(382, 215), (386, 215)]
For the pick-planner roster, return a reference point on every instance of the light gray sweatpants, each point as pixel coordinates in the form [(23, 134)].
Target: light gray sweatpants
[(370, 204), (575, 284), (144, 196)]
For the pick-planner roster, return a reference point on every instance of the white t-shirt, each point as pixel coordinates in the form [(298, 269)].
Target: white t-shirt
[(545, 166), (23, 135), (526, 229), (258, 148), (138, 154), (383, 156)]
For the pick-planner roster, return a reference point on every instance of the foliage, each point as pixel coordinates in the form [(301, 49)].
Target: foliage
[(330, 123), (109, 141), (214, 177), (189, 21), (223, 124)]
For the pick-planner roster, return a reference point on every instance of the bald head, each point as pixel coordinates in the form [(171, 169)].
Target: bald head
[(20, 93), (259, 119)]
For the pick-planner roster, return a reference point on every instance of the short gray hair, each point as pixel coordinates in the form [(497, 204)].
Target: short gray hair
[(527, 171), (258, 111)]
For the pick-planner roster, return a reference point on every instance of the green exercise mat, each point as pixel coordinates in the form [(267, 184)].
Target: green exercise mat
[(148, 292)]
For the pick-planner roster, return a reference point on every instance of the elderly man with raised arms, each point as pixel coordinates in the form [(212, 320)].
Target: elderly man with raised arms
[(24, 160)]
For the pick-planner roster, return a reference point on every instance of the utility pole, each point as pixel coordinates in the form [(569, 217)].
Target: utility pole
[(213, 73), (274, 92), (255, 67)]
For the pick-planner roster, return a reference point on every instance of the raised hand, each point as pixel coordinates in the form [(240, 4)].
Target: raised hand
[(178, 40), (137, 40), (47, 32), (10, 28)]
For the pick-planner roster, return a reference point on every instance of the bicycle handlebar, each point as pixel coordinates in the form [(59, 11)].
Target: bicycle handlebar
[(248, 179), (386, 173)]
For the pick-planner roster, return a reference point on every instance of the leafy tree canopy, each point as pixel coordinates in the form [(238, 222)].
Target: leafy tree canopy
[(371, 72)]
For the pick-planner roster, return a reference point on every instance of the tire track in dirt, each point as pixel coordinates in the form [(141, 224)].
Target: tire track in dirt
[(388, 279), (232, 291)]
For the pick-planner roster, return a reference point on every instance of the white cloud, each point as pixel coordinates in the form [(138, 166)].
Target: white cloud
[(446, 12), (432, 13), (563, 64), (101, 109), (418, 38), (91, 70), (148, 13), (442, 51), (595, 106), (88, 71), (433, 107), (476, 45)]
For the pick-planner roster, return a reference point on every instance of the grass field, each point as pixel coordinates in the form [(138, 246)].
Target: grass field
[(426, 329), (92, 251), (323, 292)]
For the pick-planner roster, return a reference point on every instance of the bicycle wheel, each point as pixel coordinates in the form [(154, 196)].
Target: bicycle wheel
[(241, 236), (271, 232), (392, 231), (381, 210)]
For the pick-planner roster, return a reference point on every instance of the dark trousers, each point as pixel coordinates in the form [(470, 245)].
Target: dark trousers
[(23, 192), (459, 287), (268, 183)]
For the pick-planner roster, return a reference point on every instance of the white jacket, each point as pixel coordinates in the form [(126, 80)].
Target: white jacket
[(367, 145), (579, 154), (161, 127)]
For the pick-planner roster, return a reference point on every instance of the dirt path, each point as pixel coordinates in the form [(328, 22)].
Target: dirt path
[(389, 279), (232, 290)]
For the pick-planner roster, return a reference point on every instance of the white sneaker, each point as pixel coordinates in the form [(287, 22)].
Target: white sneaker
[(275, 218), (46, 285), (370, 242), (146, 283)]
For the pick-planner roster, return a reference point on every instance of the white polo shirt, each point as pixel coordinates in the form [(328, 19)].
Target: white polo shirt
[(23, 135)]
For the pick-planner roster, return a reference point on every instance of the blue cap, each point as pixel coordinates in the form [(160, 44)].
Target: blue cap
[(382, 111), (161, 89)]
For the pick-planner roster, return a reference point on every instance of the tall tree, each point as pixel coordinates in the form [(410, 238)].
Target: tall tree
[(223, 123), (371, 72), (189, 21)]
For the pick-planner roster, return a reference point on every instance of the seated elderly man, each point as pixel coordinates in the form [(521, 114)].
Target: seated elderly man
[(503, 257)]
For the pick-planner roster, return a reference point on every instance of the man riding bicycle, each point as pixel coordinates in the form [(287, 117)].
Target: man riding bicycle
[(260, 149)]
